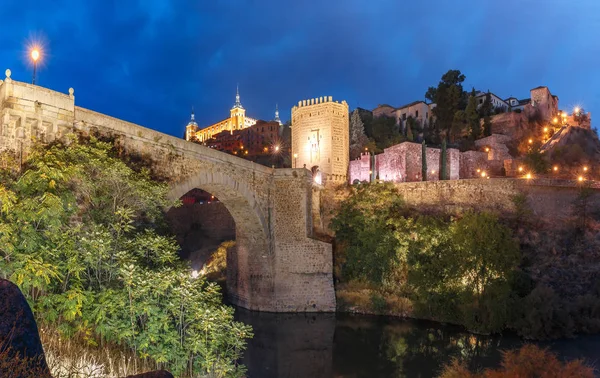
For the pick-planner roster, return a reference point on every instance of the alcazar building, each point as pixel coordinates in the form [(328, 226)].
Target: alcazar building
[(237, 121)]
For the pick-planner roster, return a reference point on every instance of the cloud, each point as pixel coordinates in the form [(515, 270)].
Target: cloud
[(149, 61)]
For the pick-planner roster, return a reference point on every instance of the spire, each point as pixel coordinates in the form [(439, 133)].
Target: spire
[(277, 114), (238, 104), (192, 119)]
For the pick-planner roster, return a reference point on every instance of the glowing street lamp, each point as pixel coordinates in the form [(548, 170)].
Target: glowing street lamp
[(528, 176), (555, 168), (585, 169), (555, 120), (295, 160), (580, 178), (530, 141), (35, 56), (577, 110), (545, 129), (520, 169), (483, 174)]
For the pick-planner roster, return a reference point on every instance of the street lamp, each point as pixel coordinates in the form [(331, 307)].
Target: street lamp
[(295, 160), (35, 55)]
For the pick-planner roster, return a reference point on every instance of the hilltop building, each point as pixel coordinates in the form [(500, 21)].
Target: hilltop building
[(237, 121), (320, 138)]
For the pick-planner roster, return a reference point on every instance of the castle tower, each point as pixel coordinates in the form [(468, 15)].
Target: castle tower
[(237, 113), (320, 137), (191, 128), (277, 119)]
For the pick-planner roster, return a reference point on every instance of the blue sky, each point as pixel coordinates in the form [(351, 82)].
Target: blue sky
[(150, 61)]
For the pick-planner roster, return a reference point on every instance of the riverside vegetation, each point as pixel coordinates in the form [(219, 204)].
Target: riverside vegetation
[(83, 235), (487, 272)]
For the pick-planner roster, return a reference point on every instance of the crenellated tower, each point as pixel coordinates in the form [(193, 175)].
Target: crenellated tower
[(321, 137)]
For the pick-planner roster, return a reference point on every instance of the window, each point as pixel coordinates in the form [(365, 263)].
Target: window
[(480, 101), (417, 114), (404, 116)]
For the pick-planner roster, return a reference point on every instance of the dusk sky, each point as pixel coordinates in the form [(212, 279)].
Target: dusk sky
[(150, 61)]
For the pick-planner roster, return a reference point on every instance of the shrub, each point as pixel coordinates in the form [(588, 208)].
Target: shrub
[(528, 361)]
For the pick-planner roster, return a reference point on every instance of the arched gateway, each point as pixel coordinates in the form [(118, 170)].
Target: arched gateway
[(276, 265)]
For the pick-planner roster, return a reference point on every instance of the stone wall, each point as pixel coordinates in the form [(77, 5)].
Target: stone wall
[(320, 137), (551, 199), (402, 163)]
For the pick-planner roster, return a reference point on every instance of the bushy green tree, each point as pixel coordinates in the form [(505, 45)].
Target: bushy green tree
[(486, 112), (449, 98), (80, 234), (472, 116), (361, 227)]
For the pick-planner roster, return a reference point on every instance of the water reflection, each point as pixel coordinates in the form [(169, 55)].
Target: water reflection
[(351, 346)]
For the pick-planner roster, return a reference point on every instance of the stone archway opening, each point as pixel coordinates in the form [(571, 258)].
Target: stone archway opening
[(201, 225), (249, 265)]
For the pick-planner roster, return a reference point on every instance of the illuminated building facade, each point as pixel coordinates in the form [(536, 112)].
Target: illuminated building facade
[(237, 121), (320, 138)]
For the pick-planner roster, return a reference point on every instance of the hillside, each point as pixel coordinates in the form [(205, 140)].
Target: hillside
[(579, 143)]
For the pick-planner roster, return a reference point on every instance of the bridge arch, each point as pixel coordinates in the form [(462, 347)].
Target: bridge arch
[(249, 264)]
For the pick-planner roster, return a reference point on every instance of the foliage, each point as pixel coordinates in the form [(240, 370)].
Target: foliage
[(472, 116), (449, 98), (459, 124), (528, 361), (217, 264), (358, 139), (385, 132), (486, 112), (361, 225), (80, 234), (536, 161), (455, 270)]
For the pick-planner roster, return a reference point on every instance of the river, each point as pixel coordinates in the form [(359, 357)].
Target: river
[(357, 346)]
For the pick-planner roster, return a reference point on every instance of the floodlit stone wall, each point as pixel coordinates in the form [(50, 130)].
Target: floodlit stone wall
[(551, 199), (402, 163), (321, 137), (276, 265)]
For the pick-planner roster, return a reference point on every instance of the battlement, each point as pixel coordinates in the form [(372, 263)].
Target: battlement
[(317, 101)]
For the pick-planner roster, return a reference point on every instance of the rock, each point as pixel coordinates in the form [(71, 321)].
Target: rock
[(153, 374), (21, 352)]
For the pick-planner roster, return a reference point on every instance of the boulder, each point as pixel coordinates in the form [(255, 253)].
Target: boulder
[(21, 352), (153, 374)]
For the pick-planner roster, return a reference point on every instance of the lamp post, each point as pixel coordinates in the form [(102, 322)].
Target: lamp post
[(295, 160), (35, 55)]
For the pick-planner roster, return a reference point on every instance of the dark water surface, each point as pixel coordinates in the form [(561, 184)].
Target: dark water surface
[(356, 346)]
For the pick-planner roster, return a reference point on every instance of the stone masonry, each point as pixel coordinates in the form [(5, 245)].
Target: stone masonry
[(277, 265), (321, 137)]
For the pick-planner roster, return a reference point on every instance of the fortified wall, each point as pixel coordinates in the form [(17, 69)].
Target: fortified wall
[(403, 163)]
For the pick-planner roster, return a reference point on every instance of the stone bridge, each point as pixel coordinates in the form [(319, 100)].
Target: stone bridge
[(276, 266)]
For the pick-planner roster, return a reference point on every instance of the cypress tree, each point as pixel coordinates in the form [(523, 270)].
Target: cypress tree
[(423, 161), (443, 175)]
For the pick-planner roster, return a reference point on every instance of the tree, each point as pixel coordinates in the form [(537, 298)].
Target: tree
[(358, 139), (423, 161), (486, 111), (443, 162), (458, 125), (472, 117), (449, 97), (409, 134), (82, 234)]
